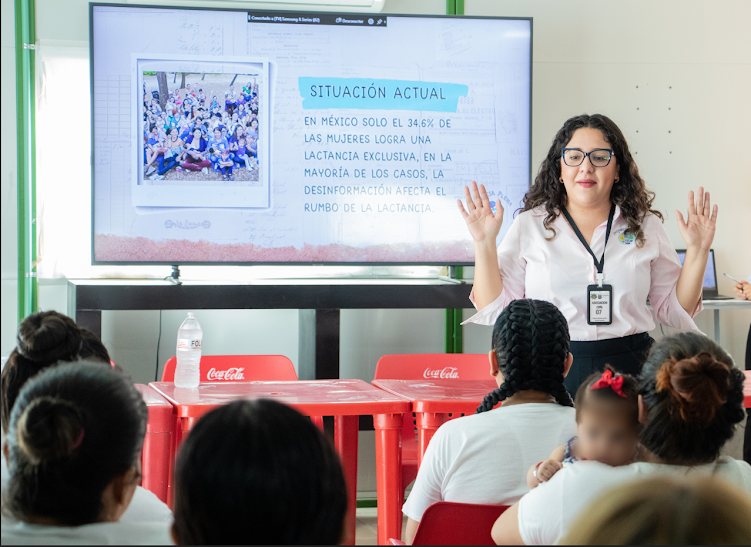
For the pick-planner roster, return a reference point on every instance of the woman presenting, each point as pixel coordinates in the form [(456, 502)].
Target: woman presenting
[(589, 242)]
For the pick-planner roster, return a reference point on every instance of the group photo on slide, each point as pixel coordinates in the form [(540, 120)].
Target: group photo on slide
[(202, 133)]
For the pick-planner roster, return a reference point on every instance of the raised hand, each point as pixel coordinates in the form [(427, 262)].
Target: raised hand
[(483, 225), (698, 229)]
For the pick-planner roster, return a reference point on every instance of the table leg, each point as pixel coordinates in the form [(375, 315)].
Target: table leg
[(427, 424), (388, 429), (717, 325), (186, 424), (345, 439), (156, 464)]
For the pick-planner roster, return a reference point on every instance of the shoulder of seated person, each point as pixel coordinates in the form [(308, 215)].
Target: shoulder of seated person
[(146, 507), (104, 533)]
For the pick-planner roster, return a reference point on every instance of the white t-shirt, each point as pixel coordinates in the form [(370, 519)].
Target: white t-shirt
[(546, 512), (105, 533), (145, 509), (484, 458)]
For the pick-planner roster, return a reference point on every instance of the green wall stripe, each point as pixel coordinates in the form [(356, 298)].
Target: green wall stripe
[(454, 329), (26, 156)]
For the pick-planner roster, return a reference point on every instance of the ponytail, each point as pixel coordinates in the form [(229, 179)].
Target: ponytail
[(49, 429), (531, 343), (694, 399), (48, 337), (44, 339), (698, 386)]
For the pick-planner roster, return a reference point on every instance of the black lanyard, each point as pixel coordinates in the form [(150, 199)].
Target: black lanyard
[(601, 264)]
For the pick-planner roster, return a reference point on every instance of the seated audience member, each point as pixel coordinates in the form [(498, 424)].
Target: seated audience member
[(44, 340), (242, 158), (253, 128), (73, 450), (743, 289), (195, 154), (690, 401), (607, 426), (483, 458), (226, 163), (666, 511), (258, 472)]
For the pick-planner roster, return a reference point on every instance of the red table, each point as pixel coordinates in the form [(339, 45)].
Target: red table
[(343, 399), (747, 389), (157, 444), (433, 399)]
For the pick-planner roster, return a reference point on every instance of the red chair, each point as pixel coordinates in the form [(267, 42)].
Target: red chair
[(238, 368), (446, 523), (457, 366)]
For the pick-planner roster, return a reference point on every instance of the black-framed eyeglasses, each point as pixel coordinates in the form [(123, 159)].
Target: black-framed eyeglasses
[(599, 157)]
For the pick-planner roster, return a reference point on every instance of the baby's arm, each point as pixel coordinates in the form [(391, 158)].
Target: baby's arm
[(547, 469)]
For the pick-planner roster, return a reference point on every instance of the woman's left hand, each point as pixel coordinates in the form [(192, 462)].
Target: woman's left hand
[(698, 230)]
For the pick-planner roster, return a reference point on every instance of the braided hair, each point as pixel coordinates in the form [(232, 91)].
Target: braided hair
[(531, 342)]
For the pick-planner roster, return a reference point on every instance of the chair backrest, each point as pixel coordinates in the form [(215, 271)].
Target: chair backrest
[(419, 366), (238, 368), (447, 523), (456, 366)]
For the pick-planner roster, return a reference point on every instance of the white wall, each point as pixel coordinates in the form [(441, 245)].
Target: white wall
[(8, 215), (692, 63), (674, 75)]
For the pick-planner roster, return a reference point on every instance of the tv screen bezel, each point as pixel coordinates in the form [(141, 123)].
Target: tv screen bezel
[(93, 5)]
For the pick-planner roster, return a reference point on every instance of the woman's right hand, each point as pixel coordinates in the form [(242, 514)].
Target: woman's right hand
[(483, 225)]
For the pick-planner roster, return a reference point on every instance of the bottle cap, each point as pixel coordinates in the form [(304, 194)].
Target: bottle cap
[(191, 314)]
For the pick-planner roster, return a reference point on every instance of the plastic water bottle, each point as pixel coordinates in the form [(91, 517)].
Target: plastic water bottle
[(189, 337)]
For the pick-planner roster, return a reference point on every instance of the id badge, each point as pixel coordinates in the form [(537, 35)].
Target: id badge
[(599, 304)]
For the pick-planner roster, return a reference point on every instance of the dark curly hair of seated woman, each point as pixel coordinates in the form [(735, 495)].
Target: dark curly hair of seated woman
[(693, 396)]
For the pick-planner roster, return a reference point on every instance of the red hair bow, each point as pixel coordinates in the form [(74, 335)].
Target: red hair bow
[(607, 380)]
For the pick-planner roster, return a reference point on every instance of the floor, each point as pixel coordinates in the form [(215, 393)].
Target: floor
[(366, 532)]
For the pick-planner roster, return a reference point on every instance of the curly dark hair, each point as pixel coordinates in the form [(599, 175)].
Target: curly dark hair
[(531, 342), (694, 399), (630, 193)]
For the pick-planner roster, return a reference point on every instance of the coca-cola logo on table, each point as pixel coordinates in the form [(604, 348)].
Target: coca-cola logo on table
[(448, 372), (231, 374)]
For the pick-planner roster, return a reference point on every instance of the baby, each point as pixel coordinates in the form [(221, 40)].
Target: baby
[(607, 426)]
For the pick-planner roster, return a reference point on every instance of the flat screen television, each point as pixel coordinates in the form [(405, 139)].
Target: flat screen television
[(228, 136)]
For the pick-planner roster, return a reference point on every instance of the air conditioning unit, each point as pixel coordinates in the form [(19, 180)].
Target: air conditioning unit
[(367, 6)]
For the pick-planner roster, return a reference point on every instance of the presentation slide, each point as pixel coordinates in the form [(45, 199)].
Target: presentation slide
[(258, 137)]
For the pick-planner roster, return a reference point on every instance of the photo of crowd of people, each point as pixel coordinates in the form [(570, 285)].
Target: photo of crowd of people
[(201, 132)]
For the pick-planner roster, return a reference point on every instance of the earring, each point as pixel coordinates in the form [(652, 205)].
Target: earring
[(616, 180), (561, 179)]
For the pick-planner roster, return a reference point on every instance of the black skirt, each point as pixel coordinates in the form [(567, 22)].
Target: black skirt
[(626, 355)]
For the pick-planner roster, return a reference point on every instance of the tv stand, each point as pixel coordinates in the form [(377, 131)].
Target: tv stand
[(174, 277), (452, 276), (320, 302)]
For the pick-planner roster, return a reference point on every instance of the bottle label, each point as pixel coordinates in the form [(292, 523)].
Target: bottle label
[(188, 344)]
